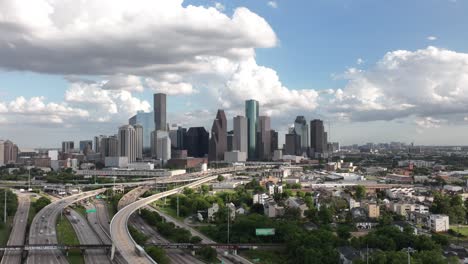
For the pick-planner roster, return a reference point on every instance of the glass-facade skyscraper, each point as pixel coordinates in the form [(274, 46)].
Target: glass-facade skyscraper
[(146, 120), (252, 112), (302, 129)]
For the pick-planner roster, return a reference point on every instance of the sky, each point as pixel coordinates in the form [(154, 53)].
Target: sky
[(374, 70)]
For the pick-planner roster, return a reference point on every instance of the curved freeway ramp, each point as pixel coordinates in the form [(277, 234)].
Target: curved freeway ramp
[(132, 196), (122, 240)]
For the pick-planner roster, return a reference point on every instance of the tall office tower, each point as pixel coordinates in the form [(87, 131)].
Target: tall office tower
[(317, 136), (218, 141), (153, 144), (109, 146), (252, 112), (274, 140), (302, 129), (139, 141), (163, 146), (10, 152), (181, 132), (2, 152), (196, 142), (127, 143), (147, 121), (86, 146), (241, 139), (264, 138), (68, 146), (97, 143), (293, 144), (173, 137), (160, 112), (230, 140)]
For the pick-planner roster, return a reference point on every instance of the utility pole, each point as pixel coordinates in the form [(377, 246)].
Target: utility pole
[(5, 208), (113, 189), (177, 205), (367, 254), (409, 256), (29, 180), (229, 221)]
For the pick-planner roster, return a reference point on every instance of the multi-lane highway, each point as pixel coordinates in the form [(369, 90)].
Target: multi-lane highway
[(100, 222), (122, 240), (17, 235), (87, 236), (176, 256), (100, 228), (43, 231), (205, 239)]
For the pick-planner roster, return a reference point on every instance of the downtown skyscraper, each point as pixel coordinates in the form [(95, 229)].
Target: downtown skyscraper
[(302, 129), (160, 140), (252, 112), (318, 138), (127, 143), (264, 138), (240, 140), (159, 105), (218, 140), (148, 122)]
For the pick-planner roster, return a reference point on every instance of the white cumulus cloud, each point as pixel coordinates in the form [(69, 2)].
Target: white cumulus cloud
[(251, 81), (142, 37), (36, 111), (427, 82), (272, 4), (170, 88)]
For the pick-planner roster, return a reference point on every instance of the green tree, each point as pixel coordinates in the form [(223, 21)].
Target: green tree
[(325, 215), (360, 192), (195, 240), (41, 203), (343, 232), (138, 236), (205, 189), (158, 255), (207, 253)]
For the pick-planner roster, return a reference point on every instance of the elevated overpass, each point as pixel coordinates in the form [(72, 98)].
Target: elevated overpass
[(121, 238)]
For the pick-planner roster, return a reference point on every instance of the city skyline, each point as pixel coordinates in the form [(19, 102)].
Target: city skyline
[(234, 131), (346, 74)]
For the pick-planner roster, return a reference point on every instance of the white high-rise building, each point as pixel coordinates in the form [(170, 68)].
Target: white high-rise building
[(163, 146), (127, 143), (439, 223), (139, 141), (2, 152), (173, 135), (52, 154), (240, 141)]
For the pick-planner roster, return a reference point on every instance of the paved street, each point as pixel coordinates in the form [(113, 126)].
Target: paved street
[(177, 256), (87, 236), (17, 235)]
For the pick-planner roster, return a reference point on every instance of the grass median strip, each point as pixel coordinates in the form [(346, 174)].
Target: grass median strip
[(66, 235)]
